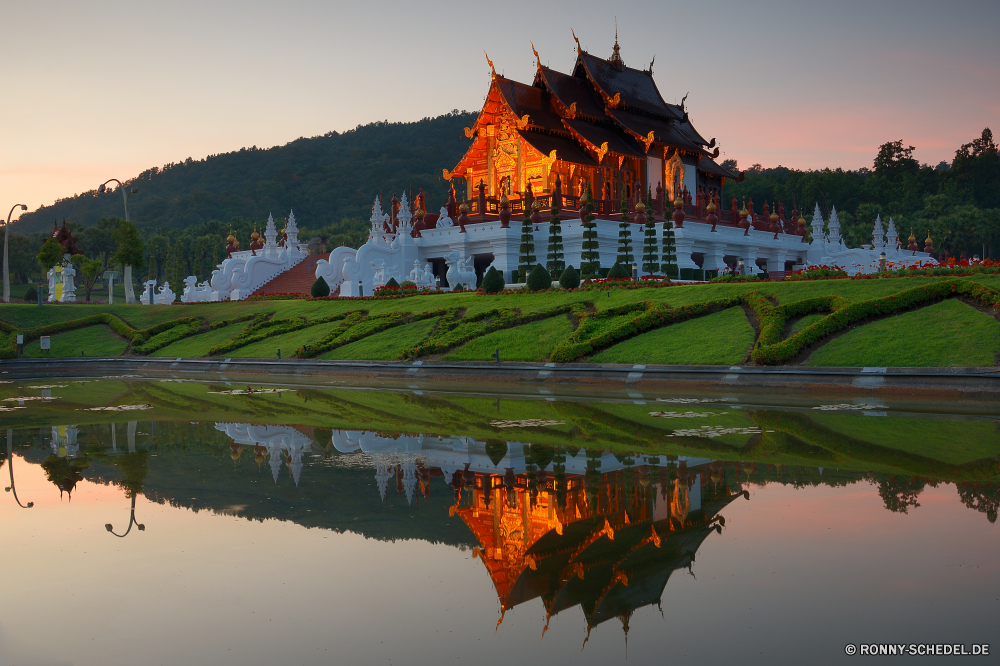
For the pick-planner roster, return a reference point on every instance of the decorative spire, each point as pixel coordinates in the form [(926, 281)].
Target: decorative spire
[(292, 229), (492, 68), (579, 49), (538, 61), (878, 236), (270, 232), (616, 56)]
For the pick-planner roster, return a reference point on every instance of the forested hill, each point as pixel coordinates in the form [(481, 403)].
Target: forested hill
[(323, 179)]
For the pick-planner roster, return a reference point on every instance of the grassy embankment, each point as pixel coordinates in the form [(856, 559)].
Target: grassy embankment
[(934, 322)]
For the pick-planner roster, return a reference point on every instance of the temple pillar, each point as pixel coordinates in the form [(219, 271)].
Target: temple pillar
[(714, 257)]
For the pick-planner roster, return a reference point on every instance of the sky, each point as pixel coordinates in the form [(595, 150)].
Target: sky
[(98, 91)]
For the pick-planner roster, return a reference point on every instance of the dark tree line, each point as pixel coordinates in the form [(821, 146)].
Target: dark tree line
[(957, 203)]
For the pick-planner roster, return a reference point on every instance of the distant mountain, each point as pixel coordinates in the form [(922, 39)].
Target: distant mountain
[(323, 179)]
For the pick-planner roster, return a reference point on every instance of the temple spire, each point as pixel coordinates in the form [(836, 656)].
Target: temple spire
[(616, 56)]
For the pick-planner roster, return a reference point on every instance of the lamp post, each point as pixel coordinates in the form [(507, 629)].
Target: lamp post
[(740, 266), (131, 521), (881, 262), (10, 466), (6, 236), (129, 295)]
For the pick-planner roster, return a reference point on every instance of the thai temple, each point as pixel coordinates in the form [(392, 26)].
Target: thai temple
[(587, 528), (600, 136)]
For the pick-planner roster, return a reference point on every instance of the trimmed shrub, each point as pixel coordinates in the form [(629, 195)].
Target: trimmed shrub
[(31, 295), (408, 283), (493, 282), (569, 279), (392, 284), (539, 279), (618, 272), (319, 289)]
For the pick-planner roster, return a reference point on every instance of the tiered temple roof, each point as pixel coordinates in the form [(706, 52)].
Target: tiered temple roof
[(605, 126)]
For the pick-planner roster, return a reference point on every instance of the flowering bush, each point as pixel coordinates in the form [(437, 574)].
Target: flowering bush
[(753, 277), (822, 272)]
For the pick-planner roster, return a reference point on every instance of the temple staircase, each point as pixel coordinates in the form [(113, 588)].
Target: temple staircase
[(298, 280)]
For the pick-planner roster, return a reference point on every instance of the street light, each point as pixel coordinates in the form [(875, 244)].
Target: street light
[(129, 295), (740, 266), (881, 261), (131, 521), (6, 235), (10, 467)]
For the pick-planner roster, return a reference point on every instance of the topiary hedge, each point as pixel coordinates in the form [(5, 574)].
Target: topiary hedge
[(538, 279), (619, 272), (319, 288), (493, 282), (569, 278)]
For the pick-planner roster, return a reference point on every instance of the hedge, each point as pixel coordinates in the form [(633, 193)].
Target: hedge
[(362, 328), (851, 313)]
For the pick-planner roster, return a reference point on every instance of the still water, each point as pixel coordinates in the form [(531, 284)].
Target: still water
[(152, 522)]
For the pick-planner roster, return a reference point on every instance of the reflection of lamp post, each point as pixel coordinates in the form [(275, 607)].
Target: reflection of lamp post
[(10, 466), (129, 296), (131, 522), (6, 235)]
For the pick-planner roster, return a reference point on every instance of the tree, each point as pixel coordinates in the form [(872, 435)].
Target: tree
[(90, 270), (625, 255), (527, 250), (50, 255), (650, 248), (319, 289), (178, 266), (590, 258), (555, 263), (569, 279), (159, 251), (128, 253), (976, 169), (493, 282), (893, 161), (96, 241), (620, 272), (538, 279), (669, 264)]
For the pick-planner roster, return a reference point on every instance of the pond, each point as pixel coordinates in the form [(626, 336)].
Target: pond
[(212, 522)]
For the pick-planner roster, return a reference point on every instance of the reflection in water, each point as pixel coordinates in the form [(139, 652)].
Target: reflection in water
[(277, 442), (10, 468), (570, 527)]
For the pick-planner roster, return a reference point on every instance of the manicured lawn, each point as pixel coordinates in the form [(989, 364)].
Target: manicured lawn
[(287, 342), (949, 333), (803, 323), (198, 345), (92, 341), (723, 338), (387, 345), (531, 342)]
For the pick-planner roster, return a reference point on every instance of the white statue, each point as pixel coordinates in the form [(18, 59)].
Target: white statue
[(52, 275), (147, 295), (194, 292), (443, 220), (69, 286), (460, 271), (165, 296), (380, 278), (428, 275)]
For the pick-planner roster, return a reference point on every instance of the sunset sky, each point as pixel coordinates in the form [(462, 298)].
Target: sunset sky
[(94, 91)]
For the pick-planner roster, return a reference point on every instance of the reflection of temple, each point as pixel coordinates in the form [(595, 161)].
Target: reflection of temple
[(586, 528), (63, 441), (273, 442)]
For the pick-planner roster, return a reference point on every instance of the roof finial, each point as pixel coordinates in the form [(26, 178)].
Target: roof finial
[(616, 55), (492, 68), (579, 49), (651, 63), (538, 61)]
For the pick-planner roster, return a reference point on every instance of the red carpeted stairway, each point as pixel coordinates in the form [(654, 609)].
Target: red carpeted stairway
[(299, 280)]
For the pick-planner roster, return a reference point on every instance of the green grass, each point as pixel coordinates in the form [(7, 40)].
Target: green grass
[(534, 341), (531, 342), (92, 341), (387, 345), (946, 334), (287, 342), (198, 345), (803, 323), (723, 338)]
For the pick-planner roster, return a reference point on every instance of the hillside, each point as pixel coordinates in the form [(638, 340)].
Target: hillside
[(324, 179)]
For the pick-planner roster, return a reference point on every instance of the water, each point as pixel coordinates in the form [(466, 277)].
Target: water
[(199, 523)]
